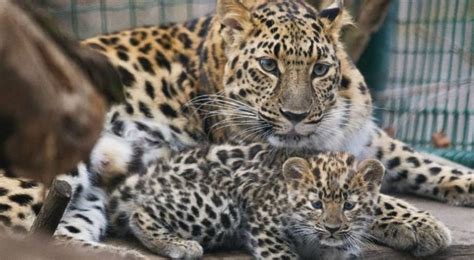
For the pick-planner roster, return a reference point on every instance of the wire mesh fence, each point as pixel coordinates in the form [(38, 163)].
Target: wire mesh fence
[(430, 83), (430, 87), (86, 18)]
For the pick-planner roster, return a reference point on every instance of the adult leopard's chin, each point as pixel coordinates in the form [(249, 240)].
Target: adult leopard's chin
[(319, 139), (291, 141)]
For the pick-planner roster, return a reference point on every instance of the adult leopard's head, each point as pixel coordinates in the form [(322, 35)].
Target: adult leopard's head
[(287, 78)]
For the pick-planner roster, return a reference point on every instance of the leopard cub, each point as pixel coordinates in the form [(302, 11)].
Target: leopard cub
[(228, 196)]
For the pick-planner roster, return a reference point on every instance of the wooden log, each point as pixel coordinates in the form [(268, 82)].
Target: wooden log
[(368, 18), (368, 21), (458, 252), (42, 248), (53, 208), (374, 251)]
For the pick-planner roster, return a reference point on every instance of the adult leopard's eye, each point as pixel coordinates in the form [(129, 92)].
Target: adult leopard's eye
[(320, 69), (348, 205), (317, 205), (269, 65)]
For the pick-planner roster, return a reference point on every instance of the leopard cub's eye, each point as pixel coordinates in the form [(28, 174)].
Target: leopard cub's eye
[(348, 205), (317, 204), (269, 65), (320, 69)]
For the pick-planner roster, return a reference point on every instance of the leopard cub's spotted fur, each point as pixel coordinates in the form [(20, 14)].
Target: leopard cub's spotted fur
[(221, 195)]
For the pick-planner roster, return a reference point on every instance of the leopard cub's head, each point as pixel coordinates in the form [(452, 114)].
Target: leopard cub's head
[(332, 200)]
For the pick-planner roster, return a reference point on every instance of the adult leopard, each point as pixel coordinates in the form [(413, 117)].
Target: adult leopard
[(271, 71), (278, 71)]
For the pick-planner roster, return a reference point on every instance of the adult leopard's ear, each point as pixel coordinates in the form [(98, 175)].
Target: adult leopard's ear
[(235, 18), (334, 17), (295, 168), (372, 172)]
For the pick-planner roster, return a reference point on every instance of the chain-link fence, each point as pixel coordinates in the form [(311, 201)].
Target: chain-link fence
[(430, 87), (86, 18)]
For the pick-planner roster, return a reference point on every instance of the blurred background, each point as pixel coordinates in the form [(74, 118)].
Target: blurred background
[(418, 62)]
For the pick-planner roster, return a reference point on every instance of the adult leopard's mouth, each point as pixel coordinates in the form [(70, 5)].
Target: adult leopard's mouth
[(279, 134), (291, 136)]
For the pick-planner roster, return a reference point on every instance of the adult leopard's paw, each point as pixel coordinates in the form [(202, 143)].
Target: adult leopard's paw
[(458, 191), (421, 235)]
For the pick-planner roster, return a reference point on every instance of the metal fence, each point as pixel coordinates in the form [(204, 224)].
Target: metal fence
[(429, 86), (86, 18)]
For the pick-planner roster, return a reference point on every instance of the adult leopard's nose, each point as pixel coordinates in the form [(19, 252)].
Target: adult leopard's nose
[(294, 116)]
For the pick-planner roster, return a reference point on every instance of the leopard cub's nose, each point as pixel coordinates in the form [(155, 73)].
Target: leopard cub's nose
[(332, 230)]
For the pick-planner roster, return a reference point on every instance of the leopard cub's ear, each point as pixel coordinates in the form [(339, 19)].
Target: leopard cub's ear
[(295, 168), (372, 171), (235, 18)]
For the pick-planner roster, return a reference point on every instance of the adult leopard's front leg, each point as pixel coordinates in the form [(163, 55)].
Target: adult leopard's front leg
[(84, 222), (410, 171), (126, 147), (402, 226)]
